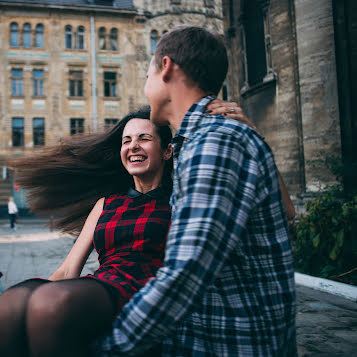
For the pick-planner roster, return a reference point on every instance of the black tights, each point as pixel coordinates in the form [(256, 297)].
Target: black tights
[(43, 318)]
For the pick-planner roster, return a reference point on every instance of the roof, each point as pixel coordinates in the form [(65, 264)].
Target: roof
[(89, 4)]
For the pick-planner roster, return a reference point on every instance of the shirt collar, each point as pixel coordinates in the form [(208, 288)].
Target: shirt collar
[(190, 120), (155, 193)]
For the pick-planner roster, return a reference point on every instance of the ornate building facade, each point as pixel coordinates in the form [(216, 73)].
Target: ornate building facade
[(69, 67), (293, 70)]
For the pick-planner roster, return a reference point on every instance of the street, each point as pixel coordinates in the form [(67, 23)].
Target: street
[(326, 324)]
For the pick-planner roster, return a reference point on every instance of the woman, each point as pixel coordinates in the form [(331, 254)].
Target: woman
[(129, 223)]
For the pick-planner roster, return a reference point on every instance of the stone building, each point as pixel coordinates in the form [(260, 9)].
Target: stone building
[(70, 66), (293, 70)]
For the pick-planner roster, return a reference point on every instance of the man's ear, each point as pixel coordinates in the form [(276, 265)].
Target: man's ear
[(167, 66), (168, 152)]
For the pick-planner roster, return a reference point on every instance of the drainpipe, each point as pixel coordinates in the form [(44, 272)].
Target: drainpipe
[(93, 73)]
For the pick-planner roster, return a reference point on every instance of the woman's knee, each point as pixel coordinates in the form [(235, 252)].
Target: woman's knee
[(13, 303), (49, 306)]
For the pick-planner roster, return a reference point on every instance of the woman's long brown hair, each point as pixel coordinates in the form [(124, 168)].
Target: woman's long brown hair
[(67, 180)]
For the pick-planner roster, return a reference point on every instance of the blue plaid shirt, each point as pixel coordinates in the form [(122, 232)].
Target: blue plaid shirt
[(227, 285)]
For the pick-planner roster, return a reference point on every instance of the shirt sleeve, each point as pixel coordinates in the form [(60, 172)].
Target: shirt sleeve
[(215, 193)]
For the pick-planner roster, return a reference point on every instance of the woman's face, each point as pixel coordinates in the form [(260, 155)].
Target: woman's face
[(141, 153)]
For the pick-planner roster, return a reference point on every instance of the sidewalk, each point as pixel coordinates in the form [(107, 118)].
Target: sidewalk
[(326, 324), (25, 225)]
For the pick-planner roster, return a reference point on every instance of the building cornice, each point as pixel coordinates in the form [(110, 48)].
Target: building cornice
[(7, 5), (180, 11)]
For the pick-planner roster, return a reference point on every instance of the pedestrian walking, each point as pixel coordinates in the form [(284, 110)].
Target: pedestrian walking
[(0, 283), (12, 209)]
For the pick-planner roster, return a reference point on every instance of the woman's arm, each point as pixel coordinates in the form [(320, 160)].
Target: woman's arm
[(234, 111), (74, 262)]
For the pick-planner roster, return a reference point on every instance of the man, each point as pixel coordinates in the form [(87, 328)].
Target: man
[(227, 285)]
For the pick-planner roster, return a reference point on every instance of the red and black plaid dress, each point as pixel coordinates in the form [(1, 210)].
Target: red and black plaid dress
[(130, 239)]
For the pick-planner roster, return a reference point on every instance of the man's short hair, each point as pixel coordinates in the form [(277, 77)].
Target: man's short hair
[(200, 54)]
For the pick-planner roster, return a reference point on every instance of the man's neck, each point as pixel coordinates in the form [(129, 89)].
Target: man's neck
[(181, 102)]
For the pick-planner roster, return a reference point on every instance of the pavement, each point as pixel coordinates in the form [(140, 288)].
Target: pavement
[(326, 323)]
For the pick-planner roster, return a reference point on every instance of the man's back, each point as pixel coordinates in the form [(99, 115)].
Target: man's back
[(226, 178)]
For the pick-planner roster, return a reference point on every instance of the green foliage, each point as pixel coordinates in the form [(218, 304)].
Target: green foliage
[(324, 239)]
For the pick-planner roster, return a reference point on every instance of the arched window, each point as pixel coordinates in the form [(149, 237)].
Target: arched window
[(114, 39), (26, 31), (68, 36), (154, 37), (80, 38), (39, 36), (14, 34), (102, 38)]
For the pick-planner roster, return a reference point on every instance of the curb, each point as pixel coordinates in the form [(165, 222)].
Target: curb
[(333, 287)]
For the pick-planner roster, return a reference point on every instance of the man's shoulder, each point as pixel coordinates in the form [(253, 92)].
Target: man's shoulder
[(218, 127)]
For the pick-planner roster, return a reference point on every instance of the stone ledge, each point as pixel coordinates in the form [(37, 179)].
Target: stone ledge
[(333, 287)]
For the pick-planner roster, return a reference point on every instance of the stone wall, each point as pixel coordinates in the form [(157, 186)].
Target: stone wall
[(297, 110), (318, 89)]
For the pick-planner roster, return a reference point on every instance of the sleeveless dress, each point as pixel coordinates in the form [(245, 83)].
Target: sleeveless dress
[(130, 239)]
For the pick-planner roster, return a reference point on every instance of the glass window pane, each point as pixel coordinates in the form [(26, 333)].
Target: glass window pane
[(71, 88), (27, 35), (38, 131), (80, 37), (39, 36), (255, 42), (14, 34), (76, 126), (16, 82), (80, 88), (114, 39), (38, 82), (153, 39), (106, 89), (38, 73), (114, 89), (109, 75), (68, 36), (17, 131), (102, 38), (109, 123), (16, 73)]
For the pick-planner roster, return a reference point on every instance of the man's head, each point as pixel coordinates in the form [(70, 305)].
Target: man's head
[(200, 54)]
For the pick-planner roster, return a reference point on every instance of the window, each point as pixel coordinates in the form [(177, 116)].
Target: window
[(102, 38), (39, 36), (209, 3), (108, 123), (77, 126), (80, 38), (110, 84), (14, 34), (224, 92), (255, 42), (76, 83), (38, 90), (68, 36), (114, 39), (16, 82), (17, 132), (38, 131), (154, 37), (26, 32)]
